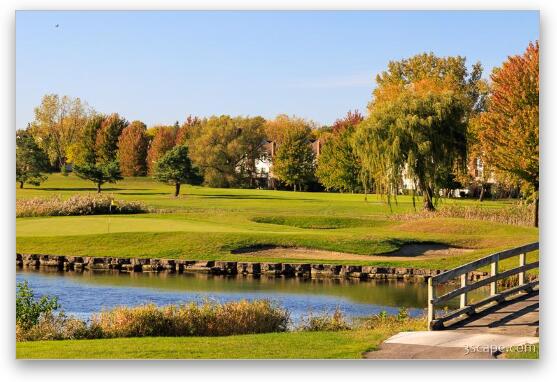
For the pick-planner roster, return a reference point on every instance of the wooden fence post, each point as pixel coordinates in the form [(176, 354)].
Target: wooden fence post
[(464, 296), (494, 271), (522, 275), (430, 307)]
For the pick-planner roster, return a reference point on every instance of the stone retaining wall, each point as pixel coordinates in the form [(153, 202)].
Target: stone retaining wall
[(362, 272)]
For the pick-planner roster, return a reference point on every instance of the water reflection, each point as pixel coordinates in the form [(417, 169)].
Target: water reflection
[(83, 294)]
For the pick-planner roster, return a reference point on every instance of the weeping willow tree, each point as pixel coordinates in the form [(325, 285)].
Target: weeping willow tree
[(419, 132), (417, 124)]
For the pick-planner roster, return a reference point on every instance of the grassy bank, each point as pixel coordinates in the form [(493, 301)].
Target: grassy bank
[(211, 224), (331, 345)]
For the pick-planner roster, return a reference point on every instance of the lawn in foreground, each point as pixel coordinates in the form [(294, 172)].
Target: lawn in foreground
[(293, 345)]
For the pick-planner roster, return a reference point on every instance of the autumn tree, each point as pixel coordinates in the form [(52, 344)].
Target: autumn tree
[(31, 162), (97, 161), (132, 149), (58, 125), (338, 167), (106, 144), (278, 129), (84, 151), (226, 149), (293, 163), (351, 119), (510, 126), (175, 168), (164, 139), (187, 130)]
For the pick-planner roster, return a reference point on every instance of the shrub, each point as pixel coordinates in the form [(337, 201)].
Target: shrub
[(394, 323), (89, 204), (57, 327), (193, 319), (29, 310), (324, 322)]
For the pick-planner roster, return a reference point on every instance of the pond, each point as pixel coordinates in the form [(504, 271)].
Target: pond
[(83, 294)]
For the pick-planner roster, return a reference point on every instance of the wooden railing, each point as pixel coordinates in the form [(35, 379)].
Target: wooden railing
[(461, 272)]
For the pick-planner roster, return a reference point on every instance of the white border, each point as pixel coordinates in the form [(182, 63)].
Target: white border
[(265, 370)]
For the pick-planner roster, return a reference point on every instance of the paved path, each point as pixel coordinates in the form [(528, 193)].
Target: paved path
[(512, 323)]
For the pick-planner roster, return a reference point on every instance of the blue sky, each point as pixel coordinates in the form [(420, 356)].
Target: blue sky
[(159, 67)]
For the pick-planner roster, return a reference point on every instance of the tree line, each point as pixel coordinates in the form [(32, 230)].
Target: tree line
[(429, 117)]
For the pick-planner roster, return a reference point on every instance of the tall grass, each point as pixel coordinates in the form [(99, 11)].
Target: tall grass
[(193, 319), (516, 214), (89, 204)]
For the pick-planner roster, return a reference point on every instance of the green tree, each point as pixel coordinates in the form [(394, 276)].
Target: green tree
[(31, 161), (175, 168), (28, 309), (417, 124), (420, 132), (106, 144), (338, 167), (293, 163), (84, 151), (226, 149), (99, 172)]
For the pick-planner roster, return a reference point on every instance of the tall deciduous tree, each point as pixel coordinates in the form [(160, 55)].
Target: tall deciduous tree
[(418, 123), (84, 151), (338, 166), (58, 125), (227, 148), (132, 150), (163, 140), (106, 144), (97, 159), (510, 126), (293, 163), (175, 168), (31, 162)]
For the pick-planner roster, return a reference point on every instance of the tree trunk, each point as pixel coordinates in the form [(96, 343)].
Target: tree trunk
[(482, 193), (536, 211), (99, 188), (20, 184), (294, 187), (428, 199), (177, 190)]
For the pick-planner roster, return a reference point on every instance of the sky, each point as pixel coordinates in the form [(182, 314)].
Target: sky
[(159, 67)]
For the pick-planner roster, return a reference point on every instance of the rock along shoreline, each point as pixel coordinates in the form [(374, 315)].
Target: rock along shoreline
[(228, 268)]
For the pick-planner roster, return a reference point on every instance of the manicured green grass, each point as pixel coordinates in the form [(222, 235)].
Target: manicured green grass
[(293, 345), (210, 224), (530, 353)]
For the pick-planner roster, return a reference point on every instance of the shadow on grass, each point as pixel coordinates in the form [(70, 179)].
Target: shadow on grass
[(93, 189), (248, 197)]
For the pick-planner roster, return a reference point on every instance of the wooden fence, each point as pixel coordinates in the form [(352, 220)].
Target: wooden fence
[(495, 295)]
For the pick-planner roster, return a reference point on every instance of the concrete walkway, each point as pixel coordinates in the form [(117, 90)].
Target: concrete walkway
[(511, 323)]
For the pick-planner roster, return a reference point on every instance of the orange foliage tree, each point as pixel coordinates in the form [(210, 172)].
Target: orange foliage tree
[(510, 126), (132, 149), (163, 140)]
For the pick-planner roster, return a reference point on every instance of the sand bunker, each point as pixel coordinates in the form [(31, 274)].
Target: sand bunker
[(406, 252)]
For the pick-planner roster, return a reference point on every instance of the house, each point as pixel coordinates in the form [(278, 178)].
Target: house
[(264, 165)]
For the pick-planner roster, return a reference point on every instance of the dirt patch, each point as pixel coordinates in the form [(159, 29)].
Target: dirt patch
[(406, 252)]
